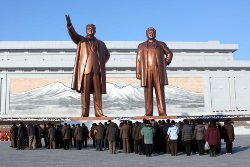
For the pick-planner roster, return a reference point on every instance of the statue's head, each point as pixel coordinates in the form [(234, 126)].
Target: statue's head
[(90, 30), (151, 33)]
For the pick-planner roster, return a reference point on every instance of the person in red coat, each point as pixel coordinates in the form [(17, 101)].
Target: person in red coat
[(212, 136)]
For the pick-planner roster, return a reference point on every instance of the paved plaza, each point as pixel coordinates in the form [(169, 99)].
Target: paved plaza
[(90, 158)]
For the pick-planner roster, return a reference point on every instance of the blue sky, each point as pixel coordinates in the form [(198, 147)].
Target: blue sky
[(227, 21)]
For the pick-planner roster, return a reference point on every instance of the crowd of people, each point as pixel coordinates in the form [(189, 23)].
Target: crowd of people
[(143, 138)]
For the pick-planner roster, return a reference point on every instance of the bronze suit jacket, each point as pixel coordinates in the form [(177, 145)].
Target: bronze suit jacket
[(163, 57), (82, 58)]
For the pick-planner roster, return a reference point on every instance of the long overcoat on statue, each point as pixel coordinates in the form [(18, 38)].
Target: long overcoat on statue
[(82, 57), (163, 57)]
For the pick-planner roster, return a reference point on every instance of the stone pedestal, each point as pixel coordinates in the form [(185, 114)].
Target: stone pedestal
[(121, 118)]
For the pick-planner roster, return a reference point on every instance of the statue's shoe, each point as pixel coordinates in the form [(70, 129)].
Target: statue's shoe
[(101, 116)]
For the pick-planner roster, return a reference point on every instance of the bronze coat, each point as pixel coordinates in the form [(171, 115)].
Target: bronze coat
[(82, 57), (162, 61)]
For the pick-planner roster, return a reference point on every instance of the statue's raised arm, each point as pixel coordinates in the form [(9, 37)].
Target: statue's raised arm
[(68, 20), (73, 34)]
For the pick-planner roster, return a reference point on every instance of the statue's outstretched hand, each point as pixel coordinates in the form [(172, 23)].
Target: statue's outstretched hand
[(68, 20)]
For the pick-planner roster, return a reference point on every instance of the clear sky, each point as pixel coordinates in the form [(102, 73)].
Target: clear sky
[(227, 21)]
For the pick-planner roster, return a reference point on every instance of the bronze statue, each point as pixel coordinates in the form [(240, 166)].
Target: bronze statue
[(89, 74), (152, 58)]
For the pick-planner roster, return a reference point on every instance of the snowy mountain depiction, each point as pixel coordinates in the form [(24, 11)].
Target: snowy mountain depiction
[(58, 99)]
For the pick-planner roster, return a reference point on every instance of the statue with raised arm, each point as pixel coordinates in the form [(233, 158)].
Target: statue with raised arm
[(152, 58), (89, 73)]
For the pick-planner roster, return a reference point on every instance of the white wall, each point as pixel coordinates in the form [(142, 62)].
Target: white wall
[(227, 82)]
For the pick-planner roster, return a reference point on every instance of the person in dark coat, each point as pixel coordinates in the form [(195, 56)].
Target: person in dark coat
[(73, 137), (228, 134), (14, 132), (32, 136), (111, 135), (218, 148), (99, 135), (194, 147), (180, 144), (66, 134), (59, 137), (105, 140), (85, 135), (119, 139), (39, 137), (45, 135), (78, 135), (92, 134), (131, 141), (212, 136), (138, 138), (156, 139), (166, 137), (187, 136), (21, 136), (52, 137)]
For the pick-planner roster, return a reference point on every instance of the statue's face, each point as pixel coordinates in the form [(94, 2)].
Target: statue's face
[(151, 34), (90, 31)]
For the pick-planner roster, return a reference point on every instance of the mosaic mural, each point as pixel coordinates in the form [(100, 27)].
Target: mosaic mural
[(40, 97)]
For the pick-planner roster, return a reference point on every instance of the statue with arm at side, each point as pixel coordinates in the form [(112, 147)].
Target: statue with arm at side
[(152, 58)]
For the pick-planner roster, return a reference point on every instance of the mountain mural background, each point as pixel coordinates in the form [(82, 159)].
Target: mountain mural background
[(58, 100)]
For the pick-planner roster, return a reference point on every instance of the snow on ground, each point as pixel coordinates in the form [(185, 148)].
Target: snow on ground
[(242, 130)]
